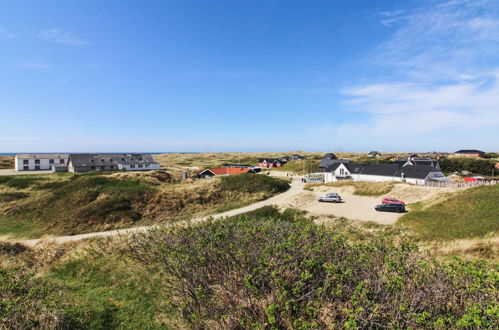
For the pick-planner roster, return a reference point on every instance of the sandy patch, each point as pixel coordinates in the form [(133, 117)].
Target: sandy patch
[(14, 172), (360, 207)]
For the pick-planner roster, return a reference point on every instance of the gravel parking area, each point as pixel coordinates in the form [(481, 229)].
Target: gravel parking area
[(14, 172), (359, 207)]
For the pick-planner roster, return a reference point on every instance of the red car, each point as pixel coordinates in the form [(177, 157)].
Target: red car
[(390, 200)]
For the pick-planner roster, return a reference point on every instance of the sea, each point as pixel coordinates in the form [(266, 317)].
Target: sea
[(124, 152)]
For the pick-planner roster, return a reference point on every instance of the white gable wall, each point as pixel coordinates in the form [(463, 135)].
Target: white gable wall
[(36, 164)]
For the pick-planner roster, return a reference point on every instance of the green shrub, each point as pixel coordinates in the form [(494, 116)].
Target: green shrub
[(476, 166), (286, 272), (26, 302), (251, 183)]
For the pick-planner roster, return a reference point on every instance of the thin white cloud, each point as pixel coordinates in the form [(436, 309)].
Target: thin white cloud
[(4, 33), (442, 73), (62, 37)]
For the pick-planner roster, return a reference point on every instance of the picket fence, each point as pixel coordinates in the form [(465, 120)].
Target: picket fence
[(460, 184)]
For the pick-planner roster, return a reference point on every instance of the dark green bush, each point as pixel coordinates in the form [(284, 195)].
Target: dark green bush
[(52, 185), (19, 181), (25, 301), (286, 272), (12, 196), (473, 165), (251, 183)]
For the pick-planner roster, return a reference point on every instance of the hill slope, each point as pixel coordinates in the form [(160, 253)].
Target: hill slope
[(31, 206), (466, 214)]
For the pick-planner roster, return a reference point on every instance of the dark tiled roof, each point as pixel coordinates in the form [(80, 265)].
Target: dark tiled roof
[(227, 170), (469, 151), (330, 155), (380, 169), (416, 171), (354, 167), (325, 163), (108, 159), (413, 172), (402, 162), (332, 167)]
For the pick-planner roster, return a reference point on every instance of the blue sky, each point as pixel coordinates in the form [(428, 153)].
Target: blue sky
[(249, 75)]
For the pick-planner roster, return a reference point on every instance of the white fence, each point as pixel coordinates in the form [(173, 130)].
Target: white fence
[(460, 184)]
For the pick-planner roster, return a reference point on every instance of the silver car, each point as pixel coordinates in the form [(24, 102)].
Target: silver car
[(331, 197)]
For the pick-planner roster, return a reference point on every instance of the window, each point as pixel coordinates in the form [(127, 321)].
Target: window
[(25, 162), (140, 158), (132, 166), (61, 161), (51, 161), (102, 160), (122, 159), (147, 165), (92, 167), (140, 166), (37, 167), (110, 159), (37, 161), (25, 167), (111, 167), (91, 160)]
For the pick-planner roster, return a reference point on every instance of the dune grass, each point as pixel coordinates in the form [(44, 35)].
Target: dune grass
[(32, 206), (214, 159), (251, 271), (6, 162), (467, 214)]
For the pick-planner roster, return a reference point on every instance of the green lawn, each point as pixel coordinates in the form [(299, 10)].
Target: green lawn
[(466, 214)]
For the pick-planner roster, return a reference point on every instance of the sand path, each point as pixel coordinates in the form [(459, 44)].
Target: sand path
[(295, 189)]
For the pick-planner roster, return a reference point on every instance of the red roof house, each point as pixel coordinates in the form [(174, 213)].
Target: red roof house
[(211, 172)]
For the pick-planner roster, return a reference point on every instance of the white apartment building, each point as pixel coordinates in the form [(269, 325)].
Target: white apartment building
[(39, 162)]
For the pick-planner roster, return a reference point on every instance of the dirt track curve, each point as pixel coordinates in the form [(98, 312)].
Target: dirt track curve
[(295, 189)]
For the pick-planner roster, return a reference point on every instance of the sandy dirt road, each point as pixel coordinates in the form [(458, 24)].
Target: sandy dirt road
[(279, 200), (14, 172)]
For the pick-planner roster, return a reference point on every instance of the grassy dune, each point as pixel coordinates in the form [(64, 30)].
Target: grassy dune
[(31, 206), (466, 214), (262, 270), (213, 159), (6, 162)]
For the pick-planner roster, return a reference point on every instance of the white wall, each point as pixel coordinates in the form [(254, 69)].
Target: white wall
[(144, 168), (44, 163), (374, 178)]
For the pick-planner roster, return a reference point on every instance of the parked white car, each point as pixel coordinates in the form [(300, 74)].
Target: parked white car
[(331, 197)]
